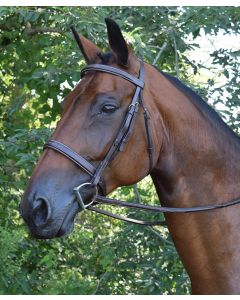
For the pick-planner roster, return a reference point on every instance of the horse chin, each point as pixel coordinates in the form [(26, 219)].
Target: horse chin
[(68, 222)]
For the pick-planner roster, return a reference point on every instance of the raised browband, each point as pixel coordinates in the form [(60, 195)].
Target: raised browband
[(113, 71)]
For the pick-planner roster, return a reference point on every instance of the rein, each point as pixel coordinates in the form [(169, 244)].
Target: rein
[(118, 144)]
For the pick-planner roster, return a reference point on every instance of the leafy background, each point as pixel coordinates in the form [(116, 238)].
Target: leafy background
[(39, 65)]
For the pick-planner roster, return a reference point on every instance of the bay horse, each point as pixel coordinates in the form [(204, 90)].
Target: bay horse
[(168, 132)]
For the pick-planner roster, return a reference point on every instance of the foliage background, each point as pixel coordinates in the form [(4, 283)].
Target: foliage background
[(39, 64)]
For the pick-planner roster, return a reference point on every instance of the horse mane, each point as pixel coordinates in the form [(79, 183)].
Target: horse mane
[(201, 105)]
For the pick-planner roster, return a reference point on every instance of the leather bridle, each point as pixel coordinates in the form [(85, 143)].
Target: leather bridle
[(118, 144)]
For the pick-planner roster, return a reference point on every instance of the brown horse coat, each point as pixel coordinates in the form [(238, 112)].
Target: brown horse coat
[(196, 162)]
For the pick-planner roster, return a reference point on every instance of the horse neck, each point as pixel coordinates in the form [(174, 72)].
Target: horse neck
[(199, 164)]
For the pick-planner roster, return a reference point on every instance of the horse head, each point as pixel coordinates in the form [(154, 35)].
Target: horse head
[(93, 114)]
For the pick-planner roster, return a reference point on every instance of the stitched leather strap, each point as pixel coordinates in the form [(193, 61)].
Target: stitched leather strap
[(72, 155), (159, 209), (148, 133), (126, 219), (126, 127), (162, 209), (113, 71)]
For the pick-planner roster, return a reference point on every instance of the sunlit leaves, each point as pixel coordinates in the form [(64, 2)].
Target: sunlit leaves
[(39, 64)]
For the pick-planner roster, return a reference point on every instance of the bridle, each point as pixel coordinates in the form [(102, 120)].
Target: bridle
[(118, 144)]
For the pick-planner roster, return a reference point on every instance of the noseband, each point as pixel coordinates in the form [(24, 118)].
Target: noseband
[(118, 145)]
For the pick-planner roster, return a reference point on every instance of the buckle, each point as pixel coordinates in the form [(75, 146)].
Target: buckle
[(135, 106), (80, 201)]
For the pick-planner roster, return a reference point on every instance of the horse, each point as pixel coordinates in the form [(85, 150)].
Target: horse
[(169, 132)]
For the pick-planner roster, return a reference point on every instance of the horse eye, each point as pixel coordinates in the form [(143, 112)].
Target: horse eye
[(109, 108)]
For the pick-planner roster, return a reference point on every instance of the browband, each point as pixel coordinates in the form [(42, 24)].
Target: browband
[(113, 71)]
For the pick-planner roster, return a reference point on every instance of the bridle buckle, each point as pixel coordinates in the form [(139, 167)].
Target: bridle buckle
[(79, 198), (134, 105)]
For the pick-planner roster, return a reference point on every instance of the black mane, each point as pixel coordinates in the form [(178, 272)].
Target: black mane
[(202, 105)]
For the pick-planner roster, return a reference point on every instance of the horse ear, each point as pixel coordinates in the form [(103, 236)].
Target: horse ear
[(117, 42), (88, 49)]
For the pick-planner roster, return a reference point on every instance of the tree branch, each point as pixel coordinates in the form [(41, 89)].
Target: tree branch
[(164, 46), (156, 232), (136, 193), (100, 281), (176, 56)]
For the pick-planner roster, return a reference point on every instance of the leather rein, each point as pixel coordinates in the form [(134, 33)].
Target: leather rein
[(118, 144)]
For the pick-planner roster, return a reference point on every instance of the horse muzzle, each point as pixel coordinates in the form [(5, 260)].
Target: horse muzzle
[(48, 217)]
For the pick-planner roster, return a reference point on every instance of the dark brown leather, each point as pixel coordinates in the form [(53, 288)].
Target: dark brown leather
[(162, 209), (72, 155), (113, 71), (126, 219)]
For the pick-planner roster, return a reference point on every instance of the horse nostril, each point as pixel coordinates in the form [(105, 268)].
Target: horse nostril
[(41, 211)]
